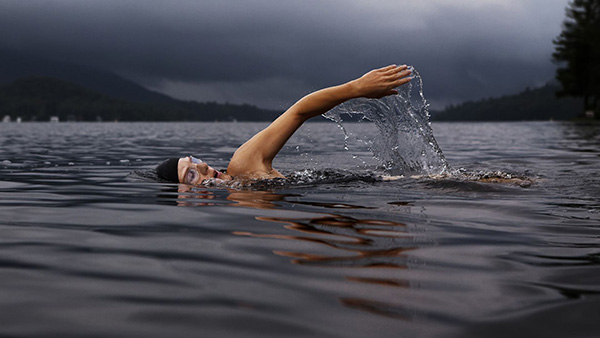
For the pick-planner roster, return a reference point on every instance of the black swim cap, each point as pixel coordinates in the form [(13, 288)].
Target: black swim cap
[(168, 170)]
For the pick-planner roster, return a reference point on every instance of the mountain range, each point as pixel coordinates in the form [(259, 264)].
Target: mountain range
[(529, 105), (35, 88)]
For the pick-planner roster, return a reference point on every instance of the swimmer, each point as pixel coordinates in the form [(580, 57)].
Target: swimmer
[(253, 159)]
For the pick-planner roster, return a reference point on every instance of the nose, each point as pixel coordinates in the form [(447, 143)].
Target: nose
[(202, 167)]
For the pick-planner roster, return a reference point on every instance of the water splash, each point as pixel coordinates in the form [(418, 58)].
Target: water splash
[(404, 143)]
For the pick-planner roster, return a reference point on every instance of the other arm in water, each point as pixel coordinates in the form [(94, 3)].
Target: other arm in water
[(254, 158)]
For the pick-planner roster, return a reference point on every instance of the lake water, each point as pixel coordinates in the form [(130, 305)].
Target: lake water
[(92, 246)]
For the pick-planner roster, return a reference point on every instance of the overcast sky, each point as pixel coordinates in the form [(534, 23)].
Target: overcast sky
[(272, 52)]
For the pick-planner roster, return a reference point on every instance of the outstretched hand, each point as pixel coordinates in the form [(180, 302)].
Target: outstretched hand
[(254, 158), (382, 82)]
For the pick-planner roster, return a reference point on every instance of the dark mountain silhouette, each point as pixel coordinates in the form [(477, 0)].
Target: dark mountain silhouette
[(39, 98), (529, 105), (35, 88), (17, 65)]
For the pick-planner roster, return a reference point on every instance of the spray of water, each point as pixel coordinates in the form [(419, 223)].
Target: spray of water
[(404, 142)]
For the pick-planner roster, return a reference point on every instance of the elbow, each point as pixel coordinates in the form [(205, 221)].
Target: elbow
[(299, 113)]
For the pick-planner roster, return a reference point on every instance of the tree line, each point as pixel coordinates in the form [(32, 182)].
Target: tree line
[(576, 92), (40, 98), (539, 104), (577, 53)]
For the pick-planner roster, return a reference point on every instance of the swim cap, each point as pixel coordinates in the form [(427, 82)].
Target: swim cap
[(168, 170)]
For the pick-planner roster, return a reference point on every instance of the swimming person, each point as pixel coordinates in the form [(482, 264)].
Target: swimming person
[(253, 159)]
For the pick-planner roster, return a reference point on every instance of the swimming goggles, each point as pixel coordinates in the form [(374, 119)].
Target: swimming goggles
[(195, 160), (191, 176)]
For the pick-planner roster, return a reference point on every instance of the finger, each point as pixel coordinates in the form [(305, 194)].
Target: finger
[(405, 73), (392, 78), (389, 67), (398, 68), (402, 81), (398, 72)]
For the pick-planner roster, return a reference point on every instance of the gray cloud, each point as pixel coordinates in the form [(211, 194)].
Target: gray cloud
[(272, 52)]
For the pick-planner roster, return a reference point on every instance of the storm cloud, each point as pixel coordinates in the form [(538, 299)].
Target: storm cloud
[(270, 53)]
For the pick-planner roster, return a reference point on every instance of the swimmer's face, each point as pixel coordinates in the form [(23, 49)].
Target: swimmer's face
[(193, 171)]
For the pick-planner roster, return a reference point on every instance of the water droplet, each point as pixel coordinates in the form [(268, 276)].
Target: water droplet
[(403, 139)]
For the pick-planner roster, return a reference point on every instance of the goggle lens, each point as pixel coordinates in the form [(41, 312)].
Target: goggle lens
[(195, 160)]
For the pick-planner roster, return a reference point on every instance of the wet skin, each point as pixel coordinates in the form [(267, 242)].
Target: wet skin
[(253, 159), (193, 173)]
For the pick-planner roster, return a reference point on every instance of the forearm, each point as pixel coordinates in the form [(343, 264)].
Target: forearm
[(374, 84), (258, 152), (321, 101)]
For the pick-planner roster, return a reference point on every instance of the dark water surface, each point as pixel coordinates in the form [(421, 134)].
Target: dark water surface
[(91, 246)]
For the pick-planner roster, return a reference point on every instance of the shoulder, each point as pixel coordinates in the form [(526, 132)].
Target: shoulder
[(246, 166)]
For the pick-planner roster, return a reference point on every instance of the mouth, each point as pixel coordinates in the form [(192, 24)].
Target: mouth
[(216, 174)]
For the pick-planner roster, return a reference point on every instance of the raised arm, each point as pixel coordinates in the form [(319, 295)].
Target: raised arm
[(254, 158)]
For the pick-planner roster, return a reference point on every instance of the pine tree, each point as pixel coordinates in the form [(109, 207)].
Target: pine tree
[(577, 52)]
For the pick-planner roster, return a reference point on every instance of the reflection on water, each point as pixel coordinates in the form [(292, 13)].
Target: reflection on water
[(583, 134), (357, 243), (190, 196), (380, 308)]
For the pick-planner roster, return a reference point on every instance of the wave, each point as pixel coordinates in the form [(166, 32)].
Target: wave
[(459, 179), (403, 142)]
